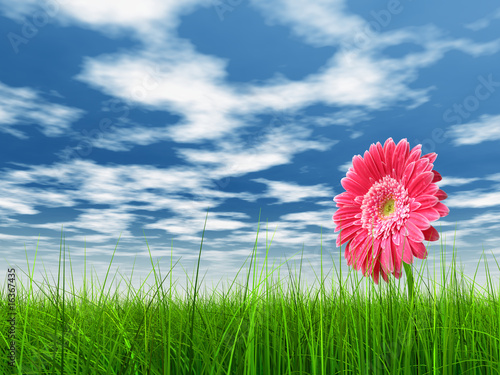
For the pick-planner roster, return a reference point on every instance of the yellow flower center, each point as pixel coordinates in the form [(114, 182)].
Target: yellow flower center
[(389, 207)]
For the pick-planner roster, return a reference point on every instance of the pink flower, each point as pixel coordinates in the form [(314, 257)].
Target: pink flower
[(385, 213)]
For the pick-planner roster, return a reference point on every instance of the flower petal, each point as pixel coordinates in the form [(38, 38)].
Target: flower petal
[(363, 182), (408, 172), (414, 205), (419, 184), (399, 157), (352, 186), (346, 235), (384, 275), (347, 253), (430, 213), (386, 257), (432, 157), (432, 189), (345, 198), (414, 154), (437, 176), (377, 160), (418, 249), (419, 220), (347, 223), (442, 209), (426, 201), (397, 260), (431, 234), (405, 250), (370, 162), (360, 167), (345, 213), (381, 154), (441, 195), (389, 147), (414, 233)]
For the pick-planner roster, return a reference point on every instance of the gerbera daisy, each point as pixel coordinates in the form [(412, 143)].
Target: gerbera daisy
[(385, 213)]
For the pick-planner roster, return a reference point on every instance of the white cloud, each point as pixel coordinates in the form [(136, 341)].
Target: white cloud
[(301, 220), (483, 22), (345, 167), (474, 199), (486, 128), (24, 106), (277, 147), (286, 192), (111, 16), (455, 181), (320, 23)]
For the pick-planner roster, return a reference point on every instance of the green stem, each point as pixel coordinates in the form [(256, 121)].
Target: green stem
[(409, 280)]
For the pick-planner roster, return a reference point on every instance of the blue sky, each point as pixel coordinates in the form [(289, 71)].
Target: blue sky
[(118, 118)]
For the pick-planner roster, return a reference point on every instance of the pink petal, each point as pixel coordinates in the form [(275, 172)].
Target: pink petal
[(442, 209), (421, 166), (360, 167), (437, 176), (384, 275), (376, 273), (432, 189), (381, 154), (426, 201), (347, 223), (399, 157), (345, 213), (363, 182), (372, 255), (386, 258), (441, 195), (377, 160), (431, 234), (397, 275), (419, 184), (430, 213), (418, 249), (344, 237), (365, 245), (352, 186), (408, 172), (356, 254), (389, 147), (414, 205), (345, 198), (405, 251), (396, 259), (432, 157), (396, 238), (347, 253), (376, 174), (414, 155), (370, 262), (414, 233), (419, 220)]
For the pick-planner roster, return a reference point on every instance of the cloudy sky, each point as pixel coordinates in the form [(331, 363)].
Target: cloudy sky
[(120, 120)]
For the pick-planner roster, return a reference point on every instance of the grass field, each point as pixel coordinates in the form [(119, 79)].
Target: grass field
[(452, 328)]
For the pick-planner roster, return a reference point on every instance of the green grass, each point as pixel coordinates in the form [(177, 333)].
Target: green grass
[(256, 329)]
